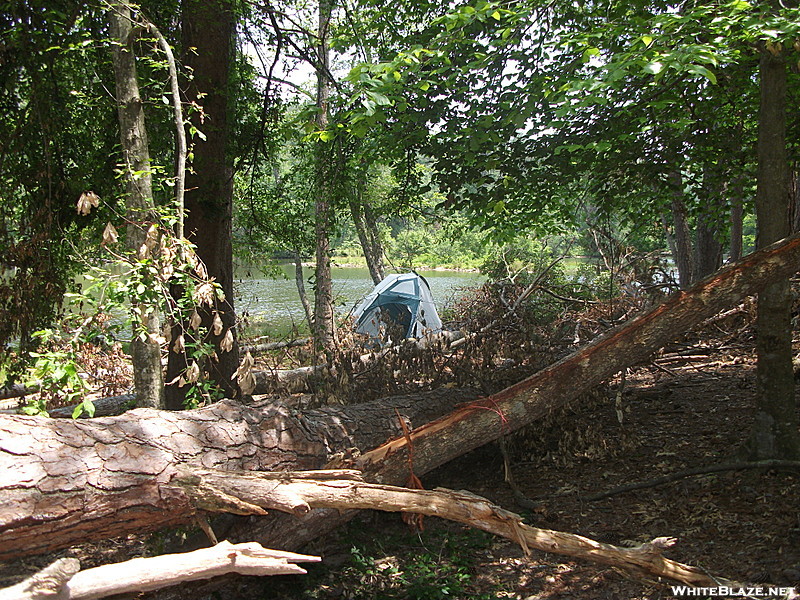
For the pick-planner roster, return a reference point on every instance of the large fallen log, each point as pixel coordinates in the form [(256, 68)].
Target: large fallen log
[(300, 492), (63, 482)]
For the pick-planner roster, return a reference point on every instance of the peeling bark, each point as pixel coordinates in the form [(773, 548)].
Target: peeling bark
[(299, 493)]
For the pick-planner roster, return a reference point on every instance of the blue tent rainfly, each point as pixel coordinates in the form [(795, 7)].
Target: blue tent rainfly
[(400, 306)]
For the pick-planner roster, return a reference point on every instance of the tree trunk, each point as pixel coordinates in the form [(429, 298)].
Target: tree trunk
[(683, 237), (669, 235), (299, 280), (795, 199), (145, 348), (103, 477), (737, 220), (708, 249), (775, 433), (208, 30), (64, 482), (367, 229), (324, 325)]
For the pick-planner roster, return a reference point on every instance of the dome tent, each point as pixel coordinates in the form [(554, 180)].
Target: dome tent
[(400, 306)]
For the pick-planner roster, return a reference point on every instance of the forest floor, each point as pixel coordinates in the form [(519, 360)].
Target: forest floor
[(691, 407)]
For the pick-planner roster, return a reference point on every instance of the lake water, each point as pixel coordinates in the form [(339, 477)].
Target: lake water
[(272, 306)]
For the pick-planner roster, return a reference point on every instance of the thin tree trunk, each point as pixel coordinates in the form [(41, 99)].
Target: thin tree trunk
[(106, 477), (145, 347), (683, 237), (775, 433), (737, 220), (324, 326), (795, 199), (208, 30), (367, 229), (299, 280), (668, 234), (374, 236)]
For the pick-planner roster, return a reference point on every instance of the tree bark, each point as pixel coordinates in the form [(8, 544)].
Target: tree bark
[(683, 237), (367, 229), (708, 248), (795, 198), (299, 281), (145, 348), (99, 478), (208, 29), (64, 482), (737, 220), (324, 325), (775, 433)]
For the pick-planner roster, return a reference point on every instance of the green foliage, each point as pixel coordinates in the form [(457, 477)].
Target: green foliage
[(424, 577), (61, 140), (57, 129), (435, 566), (56, 371)]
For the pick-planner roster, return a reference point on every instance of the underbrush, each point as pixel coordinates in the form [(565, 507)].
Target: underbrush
[(400, 564)]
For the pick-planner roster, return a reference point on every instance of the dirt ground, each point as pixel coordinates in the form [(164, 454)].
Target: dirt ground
[(689, 408)]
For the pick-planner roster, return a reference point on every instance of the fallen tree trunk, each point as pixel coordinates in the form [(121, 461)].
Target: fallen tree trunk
[(65, 481), (257, 348), (103, 407), (68, 481), (299, 493), (18, 390), (629, 344), (64, 580)]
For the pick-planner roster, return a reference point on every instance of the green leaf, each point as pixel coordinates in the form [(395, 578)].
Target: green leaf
[(654, 68), (88, 405), (496, 15), (703, 72), (424, 86), (647, 40), (379, 98), (369, 105)]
